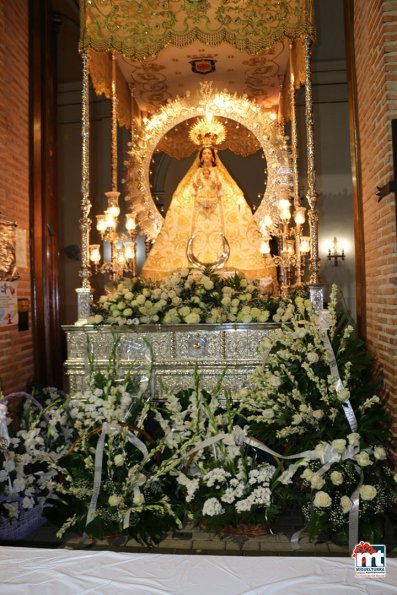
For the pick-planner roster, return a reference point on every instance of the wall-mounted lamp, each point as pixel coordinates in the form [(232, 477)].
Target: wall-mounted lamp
[(335, 251)]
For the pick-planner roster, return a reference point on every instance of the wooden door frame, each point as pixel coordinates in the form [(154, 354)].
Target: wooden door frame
[(43, 195)]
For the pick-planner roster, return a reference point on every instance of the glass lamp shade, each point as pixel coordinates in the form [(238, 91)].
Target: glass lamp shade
[(120, 256), (101, 223), (264, 248), (283, 204), (285, 215), (110, 220), (95, 253), (129, 250), (305, 245), (299, 215), (113, 203), (130, 222), (290, 247), (268, 221)]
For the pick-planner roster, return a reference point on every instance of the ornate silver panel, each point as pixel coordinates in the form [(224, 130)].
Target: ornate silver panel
[(232, 350)]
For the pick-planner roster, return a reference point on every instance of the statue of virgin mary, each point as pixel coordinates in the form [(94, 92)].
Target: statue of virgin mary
[(209, 223)]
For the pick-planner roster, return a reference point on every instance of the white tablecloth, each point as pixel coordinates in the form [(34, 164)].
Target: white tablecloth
[(33, 571)]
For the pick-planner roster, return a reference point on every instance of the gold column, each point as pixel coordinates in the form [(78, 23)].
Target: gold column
[(312, 195), (294, 152), (281, 115), (114, 124), (84, 292)]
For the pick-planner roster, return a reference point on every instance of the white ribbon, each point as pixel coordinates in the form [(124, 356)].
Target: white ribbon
[(107, 428), (323, 322)]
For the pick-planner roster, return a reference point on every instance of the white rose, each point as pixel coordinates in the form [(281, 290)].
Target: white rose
[(336, 478), (322, 500), (119, 460), (192, 318), (318, 414), (114, 500), (317, 482), (339, 445), (208, 284), (343, 395), (307, 474), (346, 504), (368, 492), (363, 459), (354, 438), (380, 453)]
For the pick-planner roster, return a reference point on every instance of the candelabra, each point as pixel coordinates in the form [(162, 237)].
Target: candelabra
[(122, 246), (293, 246)]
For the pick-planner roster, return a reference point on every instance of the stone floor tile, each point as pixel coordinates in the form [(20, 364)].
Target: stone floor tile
[(233, 546), (251, 545), (209, 545)]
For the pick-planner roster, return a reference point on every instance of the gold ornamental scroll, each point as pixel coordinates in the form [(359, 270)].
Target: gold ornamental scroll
[(139, 29)]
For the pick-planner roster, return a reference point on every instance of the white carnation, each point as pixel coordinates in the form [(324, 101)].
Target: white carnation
[(212, 507)]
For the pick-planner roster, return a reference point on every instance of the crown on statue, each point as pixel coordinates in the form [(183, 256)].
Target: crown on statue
[(207, 131)]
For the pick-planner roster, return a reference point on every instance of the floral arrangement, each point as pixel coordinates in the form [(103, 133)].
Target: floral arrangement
[(221, 484), (129, 492), (187, 297), (332, 488), (109, 460), (27, 479), (295, 404)]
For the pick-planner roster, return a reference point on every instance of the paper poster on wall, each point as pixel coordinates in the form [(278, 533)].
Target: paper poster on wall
[(8, 303)]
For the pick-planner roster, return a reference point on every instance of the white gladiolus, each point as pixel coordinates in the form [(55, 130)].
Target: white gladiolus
[(119, 460)]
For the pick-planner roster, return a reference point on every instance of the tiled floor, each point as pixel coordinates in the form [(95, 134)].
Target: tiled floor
[(194, 541)]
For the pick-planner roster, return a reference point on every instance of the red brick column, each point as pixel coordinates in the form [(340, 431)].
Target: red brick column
[(375, 40), (16, 357)]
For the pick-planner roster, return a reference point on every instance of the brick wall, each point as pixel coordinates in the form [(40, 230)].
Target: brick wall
[(375, 38), (16, 357)]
